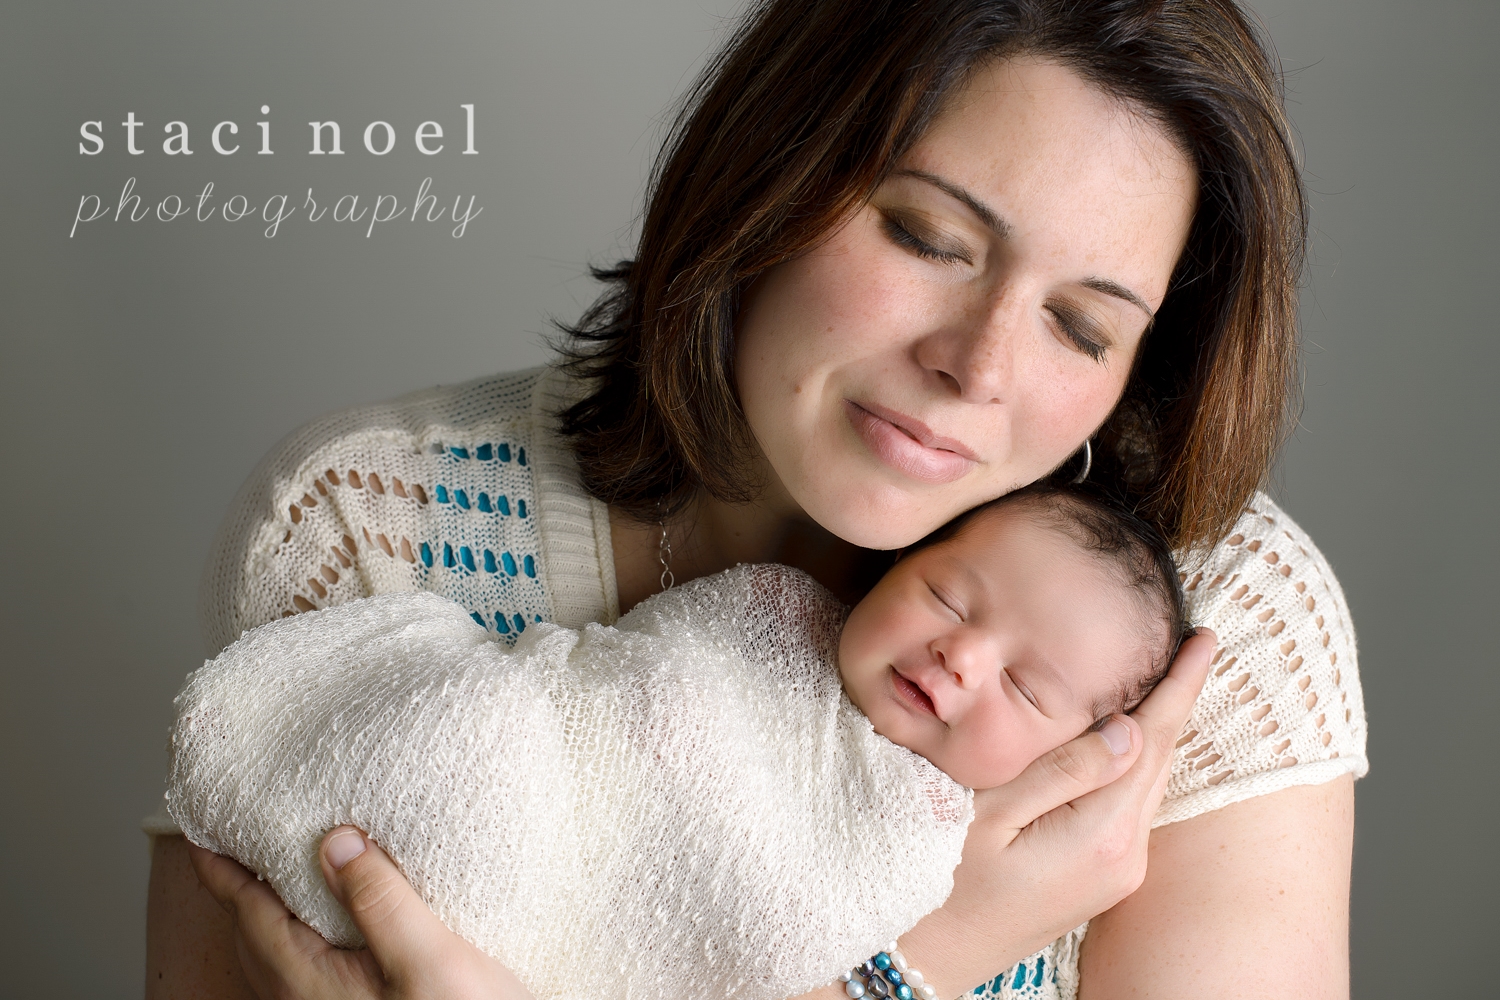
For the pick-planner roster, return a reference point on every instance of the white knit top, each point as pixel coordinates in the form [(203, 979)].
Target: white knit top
[(467, 491)]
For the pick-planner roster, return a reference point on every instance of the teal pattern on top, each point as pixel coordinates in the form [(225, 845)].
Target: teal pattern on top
[(486, 553)]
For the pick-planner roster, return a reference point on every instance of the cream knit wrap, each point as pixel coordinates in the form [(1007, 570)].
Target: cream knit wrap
[(682, 805)]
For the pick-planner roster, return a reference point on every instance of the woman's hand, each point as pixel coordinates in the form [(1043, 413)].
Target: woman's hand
[(410, 954), (1060, 844)]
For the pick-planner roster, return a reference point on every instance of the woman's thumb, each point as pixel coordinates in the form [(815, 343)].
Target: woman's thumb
[(398, 927)]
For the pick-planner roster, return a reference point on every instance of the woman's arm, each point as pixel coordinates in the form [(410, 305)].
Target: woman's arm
[(1239, 903), (1243, 898)]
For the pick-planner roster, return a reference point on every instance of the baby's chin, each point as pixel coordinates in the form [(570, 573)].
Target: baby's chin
[(981, 778)]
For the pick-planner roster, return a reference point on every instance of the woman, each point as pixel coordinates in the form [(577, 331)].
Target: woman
[(899, 259)]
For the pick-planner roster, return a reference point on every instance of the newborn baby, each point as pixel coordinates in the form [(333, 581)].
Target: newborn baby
[(736, 791)]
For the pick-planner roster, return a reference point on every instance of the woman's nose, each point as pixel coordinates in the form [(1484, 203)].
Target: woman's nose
[(974, 354)]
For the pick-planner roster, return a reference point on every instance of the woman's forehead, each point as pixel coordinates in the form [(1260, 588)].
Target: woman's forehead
[(1068, 169)]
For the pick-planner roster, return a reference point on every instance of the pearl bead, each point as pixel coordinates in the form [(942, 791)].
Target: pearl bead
[(854, 990), (899, 961), (891, 947), (913, 978), (844, 977), (927, 991)]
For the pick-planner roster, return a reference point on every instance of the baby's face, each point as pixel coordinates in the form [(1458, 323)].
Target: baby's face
[(983, 652)]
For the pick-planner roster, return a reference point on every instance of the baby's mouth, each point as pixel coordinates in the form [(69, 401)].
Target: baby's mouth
[(914, 695)]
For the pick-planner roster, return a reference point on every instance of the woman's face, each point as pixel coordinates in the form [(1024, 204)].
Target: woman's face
[(963, 332)]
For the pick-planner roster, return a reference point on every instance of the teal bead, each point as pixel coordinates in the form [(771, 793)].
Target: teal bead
[(903, 992), (894, 977), (882, 961)]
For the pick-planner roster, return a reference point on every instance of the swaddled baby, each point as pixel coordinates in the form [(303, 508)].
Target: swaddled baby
[(737, 790)]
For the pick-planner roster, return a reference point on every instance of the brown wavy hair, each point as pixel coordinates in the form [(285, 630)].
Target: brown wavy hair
[(803, 114)]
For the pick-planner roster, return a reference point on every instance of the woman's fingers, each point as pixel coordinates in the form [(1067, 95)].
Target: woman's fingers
[(1074, 769), (1165, 712), (418, 956), (401, 931), (411, 954), (1140, 744), (281, 956), (238, 891)]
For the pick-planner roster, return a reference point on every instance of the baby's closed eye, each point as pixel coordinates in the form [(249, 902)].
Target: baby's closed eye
[(1021, 687)]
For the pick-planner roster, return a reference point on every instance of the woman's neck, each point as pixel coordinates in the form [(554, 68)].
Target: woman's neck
[(712, 536)]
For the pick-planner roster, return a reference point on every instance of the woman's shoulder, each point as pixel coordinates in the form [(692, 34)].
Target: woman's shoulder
[(1282, 705), (440, 416), (464, 490), (426, 415)]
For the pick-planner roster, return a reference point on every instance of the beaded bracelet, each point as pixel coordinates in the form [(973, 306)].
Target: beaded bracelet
[(887, 976)]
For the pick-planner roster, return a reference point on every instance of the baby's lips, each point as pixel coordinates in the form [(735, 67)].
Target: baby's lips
[(919, 690)]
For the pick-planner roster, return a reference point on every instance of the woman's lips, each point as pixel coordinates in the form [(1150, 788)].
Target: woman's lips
[(908, 446), (913, 694)]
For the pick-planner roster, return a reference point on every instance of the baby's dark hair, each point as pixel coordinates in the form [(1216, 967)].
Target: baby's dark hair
[(1104, 526)]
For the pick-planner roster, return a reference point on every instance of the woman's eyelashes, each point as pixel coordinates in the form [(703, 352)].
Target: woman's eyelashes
[(903, 233), (1081, 331)]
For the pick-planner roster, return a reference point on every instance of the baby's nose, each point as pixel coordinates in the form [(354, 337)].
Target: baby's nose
[(963, 659)]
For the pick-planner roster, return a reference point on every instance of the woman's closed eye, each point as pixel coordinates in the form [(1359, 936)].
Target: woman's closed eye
[(1081, 332), (903, 233)]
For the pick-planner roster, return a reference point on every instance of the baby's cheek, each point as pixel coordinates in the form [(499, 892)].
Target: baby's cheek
[(1006, 749), (855, 660)]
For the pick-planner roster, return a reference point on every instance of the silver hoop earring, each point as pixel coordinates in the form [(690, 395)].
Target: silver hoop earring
[(1088, 463)]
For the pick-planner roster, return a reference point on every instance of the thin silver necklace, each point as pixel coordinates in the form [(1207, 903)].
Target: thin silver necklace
[(664, 550)]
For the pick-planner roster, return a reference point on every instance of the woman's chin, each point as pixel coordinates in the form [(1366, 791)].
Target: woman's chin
[(866, 514)]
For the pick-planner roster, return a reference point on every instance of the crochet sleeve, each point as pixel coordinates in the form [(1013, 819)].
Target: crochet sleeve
[(448, 490), (1282, 705), (286, 544)]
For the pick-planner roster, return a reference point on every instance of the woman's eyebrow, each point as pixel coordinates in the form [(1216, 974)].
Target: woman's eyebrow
[(987, 215), (1119, 291)]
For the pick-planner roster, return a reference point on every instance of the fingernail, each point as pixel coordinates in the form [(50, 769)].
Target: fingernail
[(1116, 735), (343, 847)]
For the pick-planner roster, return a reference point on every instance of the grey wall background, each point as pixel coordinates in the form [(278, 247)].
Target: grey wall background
[(144, 367)]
